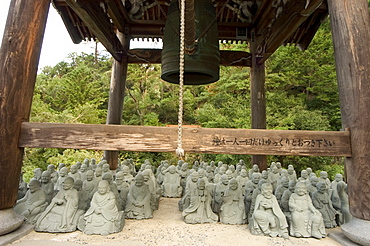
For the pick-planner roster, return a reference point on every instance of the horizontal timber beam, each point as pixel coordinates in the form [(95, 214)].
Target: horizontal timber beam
[(153, 56), (195, 140)]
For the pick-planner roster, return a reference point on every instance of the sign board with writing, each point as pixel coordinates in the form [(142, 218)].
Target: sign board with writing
[(195, 139)]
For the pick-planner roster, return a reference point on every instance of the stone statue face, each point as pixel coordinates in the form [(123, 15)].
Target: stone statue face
[(33, 185), (264, 174), (324, 175), (221, 170), (301, 189), (51, 168), (172, 169), (232, 168), (255, 168), (194, 177), (98, 172), (322, 187), (105, 168), (338, 177), (83, 168), (285, 182), (243, 173), (256, 178), (309, 170), (233, 184), (201, 173), (278, 164), (63, 172), (45, 177), (184, 167), (266, 190), (201, 184), (74, 169), (68, 184), (225, 179), (229, 173), (103, 188), (304, 174), (139, 180), (275, 170)]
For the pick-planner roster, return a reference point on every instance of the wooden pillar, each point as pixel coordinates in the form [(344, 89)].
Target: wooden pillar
[(19, 58), (116, 94), (351, 34), (258, 99)]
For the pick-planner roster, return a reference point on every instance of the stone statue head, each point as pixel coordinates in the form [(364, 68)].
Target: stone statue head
[(222, 170), (89, 175), (314, 180), (309, 170), (243, 173), (255, 168), (285, 182), (278, 165), (264, 174), (274, 170), (37, 173), (83, 168), (229, 173), (146, 175), (103, 187), (304, 174), (108, 177), (172, 169), (290, 169), (322, 187), (261, 182), (78, 164), (105, 168), (323, 175), (139, 180), (63, 172), (225, 179), (233, 184), (86, 161), (51, 168), (78, 184), (194, 176), (292, 184), (300, 189), (184, 167), (338, 177), (45, 177), (232, 168), (74, 169), (201, 184), (98, 172), (68, 183), (266, 190), (201, 172), (256, 177), (61, 165), (34, 185)]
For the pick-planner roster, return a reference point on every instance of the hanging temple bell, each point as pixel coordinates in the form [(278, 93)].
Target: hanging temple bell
[(202, 56)]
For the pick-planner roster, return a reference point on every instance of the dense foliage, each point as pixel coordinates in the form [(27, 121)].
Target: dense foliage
[(301, 92)]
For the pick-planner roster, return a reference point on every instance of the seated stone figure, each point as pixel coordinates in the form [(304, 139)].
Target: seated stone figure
[(103, 216), (306, 220), (33, 203), (343, 196), (191, 184), (171, 183), (138, 200), (232, 208), (268, 219), (199, 210), (47, 185), (321, 200), (62, 213)]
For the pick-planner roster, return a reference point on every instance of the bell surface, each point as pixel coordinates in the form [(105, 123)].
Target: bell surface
[(201, 67)]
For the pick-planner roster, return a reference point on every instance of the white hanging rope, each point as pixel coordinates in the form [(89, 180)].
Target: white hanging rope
[(180, 151)]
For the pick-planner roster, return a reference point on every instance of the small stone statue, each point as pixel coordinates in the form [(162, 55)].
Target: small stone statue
[(103, 216), (90, 185), (242, 179), (322, 202), (306, 220), (22, 188), (219, 191), (268, 219), (62, 213), (199, 210), (254, 169), (63, 174), (33, 203), (249, 188), (53, 173), (123, 188), (37, 174), (292, 175), (232, 208), (74, 173), (138, 200), (171, 183), (47, 186), (82, 171), (343, 196), (191, 184)]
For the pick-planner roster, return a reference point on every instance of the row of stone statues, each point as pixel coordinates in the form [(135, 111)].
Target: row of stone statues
[(97, 200)]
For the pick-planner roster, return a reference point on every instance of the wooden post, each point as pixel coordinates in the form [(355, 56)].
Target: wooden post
[(258, 99), (351, 34), (19, 58), (116, 94)]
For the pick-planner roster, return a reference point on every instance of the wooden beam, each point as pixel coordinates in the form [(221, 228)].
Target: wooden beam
[(99, 24), (195, 140), (351, 34), (19, 58), (118, 14), (285, 22), (154, 56)]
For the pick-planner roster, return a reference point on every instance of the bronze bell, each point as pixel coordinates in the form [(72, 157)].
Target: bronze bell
[(202, 59)]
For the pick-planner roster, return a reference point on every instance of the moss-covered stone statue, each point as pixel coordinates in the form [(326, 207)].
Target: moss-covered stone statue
[(103, 216)]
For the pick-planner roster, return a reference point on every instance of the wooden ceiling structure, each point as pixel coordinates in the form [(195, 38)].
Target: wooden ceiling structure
[(264, 25)]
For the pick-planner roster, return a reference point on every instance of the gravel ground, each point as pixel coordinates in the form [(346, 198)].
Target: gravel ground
[(168, 228)]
